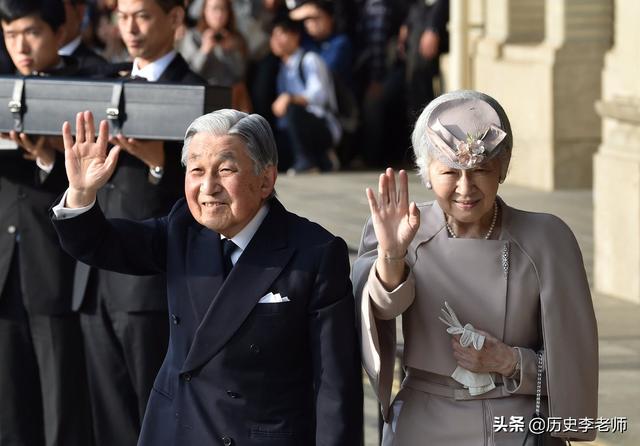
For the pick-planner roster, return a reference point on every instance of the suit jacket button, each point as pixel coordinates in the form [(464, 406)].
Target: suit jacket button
[(175, 319), (233, 394), (227, 441), (253, 348), (186, 376)]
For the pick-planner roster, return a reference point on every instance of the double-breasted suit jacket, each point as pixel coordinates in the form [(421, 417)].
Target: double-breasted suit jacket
[(130, 194), (238, 371)]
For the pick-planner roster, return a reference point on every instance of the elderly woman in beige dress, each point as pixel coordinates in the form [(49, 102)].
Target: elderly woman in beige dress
[(494, 301)]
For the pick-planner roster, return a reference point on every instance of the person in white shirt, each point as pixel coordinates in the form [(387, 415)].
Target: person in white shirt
[(73, 46), (305, 108)]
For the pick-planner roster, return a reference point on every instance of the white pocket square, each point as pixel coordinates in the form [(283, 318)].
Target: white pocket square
[(271, 298)]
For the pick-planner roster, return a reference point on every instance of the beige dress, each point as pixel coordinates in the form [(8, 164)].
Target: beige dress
[(528, 289)]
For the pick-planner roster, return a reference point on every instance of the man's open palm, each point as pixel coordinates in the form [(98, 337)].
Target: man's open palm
[(87, 163)]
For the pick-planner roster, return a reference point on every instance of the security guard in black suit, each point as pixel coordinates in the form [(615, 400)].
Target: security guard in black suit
[(124, 318), (42, 377), (73, 45)]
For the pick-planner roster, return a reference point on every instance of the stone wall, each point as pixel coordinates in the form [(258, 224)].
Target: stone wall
[(616, 188)]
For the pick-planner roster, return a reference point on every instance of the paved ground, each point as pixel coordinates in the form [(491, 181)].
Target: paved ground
[(337, 201)]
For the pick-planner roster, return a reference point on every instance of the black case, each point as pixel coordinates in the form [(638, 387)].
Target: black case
[(143, 110)]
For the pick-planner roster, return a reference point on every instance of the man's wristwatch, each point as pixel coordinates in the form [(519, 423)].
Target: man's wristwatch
[(155, 174)]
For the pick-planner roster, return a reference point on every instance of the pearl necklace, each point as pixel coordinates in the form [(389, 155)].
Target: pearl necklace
[(493, 224)]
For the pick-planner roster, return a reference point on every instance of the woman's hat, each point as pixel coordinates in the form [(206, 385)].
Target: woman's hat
[(463, 129)]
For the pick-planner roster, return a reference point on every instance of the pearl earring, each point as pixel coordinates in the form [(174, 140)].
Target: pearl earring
[(428, 184)]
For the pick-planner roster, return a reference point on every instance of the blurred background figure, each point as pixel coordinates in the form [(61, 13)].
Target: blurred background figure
[(336, 50), (422, 38), (380, 83), (217, 51), (6, 65), (324, 38), (255, 18), (75, 12), (43, 385), (307, 128), (100, 32)]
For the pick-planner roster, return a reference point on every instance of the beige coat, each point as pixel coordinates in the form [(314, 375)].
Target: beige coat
[(528, 288)]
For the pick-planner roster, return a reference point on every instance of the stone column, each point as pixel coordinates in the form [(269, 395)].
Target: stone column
[(458, 46), (616, 179), (547, 83)]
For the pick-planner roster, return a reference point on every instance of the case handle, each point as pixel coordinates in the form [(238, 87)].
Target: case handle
[(115, 112), (17, 106)]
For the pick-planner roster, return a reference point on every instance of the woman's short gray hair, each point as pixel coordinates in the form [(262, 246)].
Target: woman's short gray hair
[(424, 149), (252, 128)]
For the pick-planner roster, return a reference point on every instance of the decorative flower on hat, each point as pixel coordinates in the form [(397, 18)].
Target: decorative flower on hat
[(476, 148), (472, 151)]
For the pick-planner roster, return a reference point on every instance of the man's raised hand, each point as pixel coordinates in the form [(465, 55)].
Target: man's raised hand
[(87, 163)]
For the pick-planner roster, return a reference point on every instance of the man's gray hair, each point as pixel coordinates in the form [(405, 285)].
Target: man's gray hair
[(424, 150), (252, 128)]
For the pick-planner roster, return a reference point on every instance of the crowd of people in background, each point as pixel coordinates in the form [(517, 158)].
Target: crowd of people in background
[(338, 81), (381, 56)]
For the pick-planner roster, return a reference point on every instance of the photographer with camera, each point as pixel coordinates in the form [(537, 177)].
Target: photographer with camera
[(215, 49)]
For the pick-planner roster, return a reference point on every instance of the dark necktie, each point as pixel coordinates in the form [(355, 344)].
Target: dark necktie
[(228, 247), (139, 79)]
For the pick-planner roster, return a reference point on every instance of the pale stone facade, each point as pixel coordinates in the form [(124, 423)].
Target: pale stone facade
[(552, 64), (543, 61), (616, 188)]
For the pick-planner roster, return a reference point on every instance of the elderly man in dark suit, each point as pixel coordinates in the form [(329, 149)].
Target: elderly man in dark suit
[(263, 348)]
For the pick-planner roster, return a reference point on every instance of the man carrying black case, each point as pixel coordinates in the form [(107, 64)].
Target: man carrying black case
[(124, 318), (42, 377), (73, 45)]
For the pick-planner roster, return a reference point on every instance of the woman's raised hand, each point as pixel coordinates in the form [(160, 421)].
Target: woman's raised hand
[(87, 163), (395, 222)]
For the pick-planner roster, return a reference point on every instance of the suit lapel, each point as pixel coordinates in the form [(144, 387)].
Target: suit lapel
[(204, 268), (257, 268), (175, 71), (431, 222)]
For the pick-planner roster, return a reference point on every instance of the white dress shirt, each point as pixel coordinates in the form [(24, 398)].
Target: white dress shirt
[(154, 70), (242, 238), (70, 47)]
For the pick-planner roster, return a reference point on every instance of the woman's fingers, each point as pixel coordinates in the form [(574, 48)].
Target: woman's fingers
[(414, 216), (391, 179), (403, 192), (373, 204), (383, 190)]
